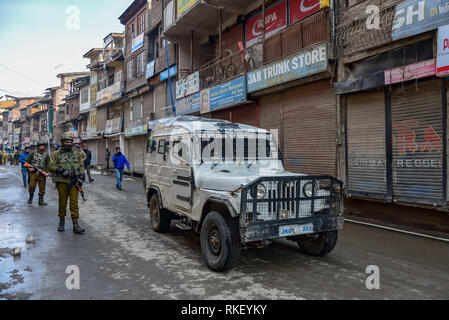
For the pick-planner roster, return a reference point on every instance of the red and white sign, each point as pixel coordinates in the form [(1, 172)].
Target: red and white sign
[(443, 51), (275, 21), (299, 9), (412, 71)]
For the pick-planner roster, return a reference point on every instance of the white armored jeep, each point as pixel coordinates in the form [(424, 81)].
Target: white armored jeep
[(227, 182)]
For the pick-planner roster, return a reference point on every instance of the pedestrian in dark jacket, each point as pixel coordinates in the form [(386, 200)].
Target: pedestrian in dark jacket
[(119, 161), (25, 173), (87, 162)]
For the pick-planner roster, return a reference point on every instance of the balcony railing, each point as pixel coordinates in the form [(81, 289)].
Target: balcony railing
[(111, 54), (111, 93)]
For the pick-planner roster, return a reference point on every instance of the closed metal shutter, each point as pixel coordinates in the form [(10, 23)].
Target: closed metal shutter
[(310, 128), (222, 115), (161, 108), (246, 115), (417, 142), (138, 154), (366, 144), (270, 114), (147, 104)]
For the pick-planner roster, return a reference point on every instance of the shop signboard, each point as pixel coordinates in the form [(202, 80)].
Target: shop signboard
[(443, 51), (137, 42), (183, 6), (188, 105), (299, 65), (113, 126), (136, 130), (224, 95), (164, 74), (419, 16), (412, 71), (150, 69)]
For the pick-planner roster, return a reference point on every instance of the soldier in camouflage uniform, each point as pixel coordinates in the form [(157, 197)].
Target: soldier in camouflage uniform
[(68, 165), (41, 160)]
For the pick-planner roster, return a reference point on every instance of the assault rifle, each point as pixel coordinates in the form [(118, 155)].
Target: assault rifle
[(74, 182), (30, 166)]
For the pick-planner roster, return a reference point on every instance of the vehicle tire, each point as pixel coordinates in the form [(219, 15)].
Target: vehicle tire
[(318, 244), (220, 241), (160, 218)]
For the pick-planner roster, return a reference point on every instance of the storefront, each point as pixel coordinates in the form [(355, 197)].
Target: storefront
[(395, 124), (302, 114), (135, 140)]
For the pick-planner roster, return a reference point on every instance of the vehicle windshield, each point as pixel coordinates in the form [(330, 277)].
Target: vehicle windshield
[(228, 147)]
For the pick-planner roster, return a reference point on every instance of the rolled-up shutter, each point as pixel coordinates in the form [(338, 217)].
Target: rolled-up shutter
[(416, 111), (310, 129), (366, 144), (138, 153)]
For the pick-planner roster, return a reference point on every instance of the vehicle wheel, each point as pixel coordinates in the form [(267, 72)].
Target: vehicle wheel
[(160, 218), (220, 242), (318, 244)]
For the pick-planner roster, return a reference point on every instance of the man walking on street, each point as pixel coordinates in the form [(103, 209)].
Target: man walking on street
[(25, 173), (41, 160), (119, 161), (87, 162), (69, 168)]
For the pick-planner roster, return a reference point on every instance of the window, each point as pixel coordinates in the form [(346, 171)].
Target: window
[(141, 23), (141, 64), (130, 69), (162, 146), (111, 79), (153, 46), (93, 94), (84, 95)]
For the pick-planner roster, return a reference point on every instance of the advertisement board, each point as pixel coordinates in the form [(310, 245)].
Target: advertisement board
[(299, 65), (188, 85), (275, 21), (300, 9), (150, 69), (113, 126), (443, 51), (136, 130)]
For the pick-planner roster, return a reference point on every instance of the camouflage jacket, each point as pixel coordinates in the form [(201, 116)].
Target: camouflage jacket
[(66, 160), (39, 160)]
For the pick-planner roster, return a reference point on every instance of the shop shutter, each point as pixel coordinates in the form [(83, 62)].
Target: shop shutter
[(223, 115), (245, 114), (147, 104), (310, 129), (366, 144), (270, 114), (138, 153), (160, 107), (417, 142)]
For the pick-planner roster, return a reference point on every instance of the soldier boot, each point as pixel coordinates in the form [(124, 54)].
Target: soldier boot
[(77, 229), (61, 227), (30, 200), (41, 200)]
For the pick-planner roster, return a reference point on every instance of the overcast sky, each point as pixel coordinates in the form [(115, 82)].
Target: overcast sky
[(38, 39)]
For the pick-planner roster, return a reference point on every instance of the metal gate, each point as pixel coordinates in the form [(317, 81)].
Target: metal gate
[(417, 129), (366, 156)]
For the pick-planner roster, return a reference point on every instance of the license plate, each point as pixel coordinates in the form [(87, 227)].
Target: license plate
[(295, 229)]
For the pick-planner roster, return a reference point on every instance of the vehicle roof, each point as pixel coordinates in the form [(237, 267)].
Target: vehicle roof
[(194, 123)]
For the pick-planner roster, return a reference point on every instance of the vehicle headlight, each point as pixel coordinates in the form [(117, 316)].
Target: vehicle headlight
[(308, 187), (260, 191)]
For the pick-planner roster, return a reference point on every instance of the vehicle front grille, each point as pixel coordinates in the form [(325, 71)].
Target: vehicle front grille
[(285, 199)]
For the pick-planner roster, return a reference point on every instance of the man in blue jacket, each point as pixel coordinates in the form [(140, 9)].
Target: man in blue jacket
[(25, 173), (119, 161)]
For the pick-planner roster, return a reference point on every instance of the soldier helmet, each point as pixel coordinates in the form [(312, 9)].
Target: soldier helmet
[(41, 143), (66, 136)]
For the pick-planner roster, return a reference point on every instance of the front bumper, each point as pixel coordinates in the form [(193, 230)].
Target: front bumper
[(265, 230)]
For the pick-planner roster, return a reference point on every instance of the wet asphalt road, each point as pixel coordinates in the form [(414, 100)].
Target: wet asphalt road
[(121, 257)]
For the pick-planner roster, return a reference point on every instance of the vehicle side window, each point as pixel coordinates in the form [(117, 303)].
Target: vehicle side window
[(162, 146), (151, 145)]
